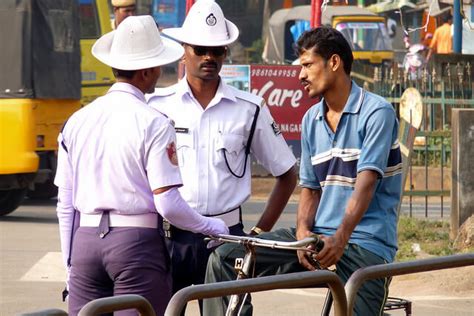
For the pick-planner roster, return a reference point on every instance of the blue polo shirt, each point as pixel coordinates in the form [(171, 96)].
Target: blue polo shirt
[(365, 139)]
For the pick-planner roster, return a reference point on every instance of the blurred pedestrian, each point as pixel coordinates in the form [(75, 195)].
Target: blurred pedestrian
[(218, 128), (122, 10), (117, 177), (442, 41)]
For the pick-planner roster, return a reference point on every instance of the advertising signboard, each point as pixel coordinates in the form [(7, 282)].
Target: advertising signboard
[(237, 76), (284, 94)]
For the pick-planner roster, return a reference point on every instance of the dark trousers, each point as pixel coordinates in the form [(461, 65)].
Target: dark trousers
[(189, 255), (370, 299), (127, 260)]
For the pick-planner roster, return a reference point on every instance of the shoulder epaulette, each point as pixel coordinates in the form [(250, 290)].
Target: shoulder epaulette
[(250, 97), (162, 92)]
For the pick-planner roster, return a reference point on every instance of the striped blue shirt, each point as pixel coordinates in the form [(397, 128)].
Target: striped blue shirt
[(365, 139)]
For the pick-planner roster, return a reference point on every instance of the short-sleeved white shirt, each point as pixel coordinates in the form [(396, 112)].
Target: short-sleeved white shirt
[(203, 135), (115, 151)]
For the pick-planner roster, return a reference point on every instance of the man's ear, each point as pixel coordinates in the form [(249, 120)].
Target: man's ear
[(335, 62), (144, 74), (183, 58)]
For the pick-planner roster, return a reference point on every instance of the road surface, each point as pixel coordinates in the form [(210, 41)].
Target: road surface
[(32, 275)]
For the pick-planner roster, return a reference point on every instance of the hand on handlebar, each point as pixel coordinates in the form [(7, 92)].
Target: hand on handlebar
[(216, 227), (307, 258), (332, 251)]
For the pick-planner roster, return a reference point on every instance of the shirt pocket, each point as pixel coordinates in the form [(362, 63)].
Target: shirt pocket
[(184, 147), (233, 147)]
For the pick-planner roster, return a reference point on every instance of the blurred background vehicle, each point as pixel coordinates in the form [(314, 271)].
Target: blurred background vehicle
[(47, 74), (365, 31)]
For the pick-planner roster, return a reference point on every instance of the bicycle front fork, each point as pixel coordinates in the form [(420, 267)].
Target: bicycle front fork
[(244, 267)]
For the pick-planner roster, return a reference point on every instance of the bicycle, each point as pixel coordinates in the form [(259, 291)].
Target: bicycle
[(245, 267)]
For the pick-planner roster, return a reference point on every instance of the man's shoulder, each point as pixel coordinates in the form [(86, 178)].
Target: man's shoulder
[(77, 119), (376, 102), (247, 96), (162, 92)]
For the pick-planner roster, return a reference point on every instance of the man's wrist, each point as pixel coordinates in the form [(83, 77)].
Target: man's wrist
[(256, 230)]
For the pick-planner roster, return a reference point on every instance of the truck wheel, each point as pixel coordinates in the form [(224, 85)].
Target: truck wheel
[(44, 190), (10, 200)]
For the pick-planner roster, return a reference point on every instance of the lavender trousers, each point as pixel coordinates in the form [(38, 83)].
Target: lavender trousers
[(128, 260)]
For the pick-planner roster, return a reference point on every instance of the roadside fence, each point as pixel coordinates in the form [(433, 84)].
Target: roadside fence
[(444, 84)]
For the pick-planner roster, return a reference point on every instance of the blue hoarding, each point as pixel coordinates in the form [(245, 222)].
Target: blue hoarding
[(169, 13)]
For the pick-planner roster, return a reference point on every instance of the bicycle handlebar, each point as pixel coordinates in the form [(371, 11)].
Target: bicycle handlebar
[(275, 244)]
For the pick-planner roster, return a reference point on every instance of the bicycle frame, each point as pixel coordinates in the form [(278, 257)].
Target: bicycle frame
[(245, 267)]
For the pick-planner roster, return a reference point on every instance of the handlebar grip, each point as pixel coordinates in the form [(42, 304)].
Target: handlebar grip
[(319, 245)]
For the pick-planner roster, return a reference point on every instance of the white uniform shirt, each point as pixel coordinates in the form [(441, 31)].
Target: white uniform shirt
[(204, 134), (114, 152)]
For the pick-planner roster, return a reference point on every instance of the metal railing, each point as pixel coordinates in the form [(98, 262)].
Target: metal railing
[(291, 280), (344, 297), (447, 83), (117, 303), (47, 312), (400, 268)]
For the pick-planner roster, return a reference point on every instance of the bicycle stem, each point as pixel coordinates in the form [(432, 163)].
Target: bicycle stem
[(245, 269)]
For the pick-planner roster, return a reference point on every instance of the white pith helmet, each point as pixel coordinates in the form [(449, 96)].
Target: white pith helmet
[(205, 25), (136, 44)]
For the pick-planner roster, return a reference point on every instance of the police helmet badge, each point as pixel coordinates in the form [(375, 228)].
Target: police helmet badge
[(211, 20), (171, 151)]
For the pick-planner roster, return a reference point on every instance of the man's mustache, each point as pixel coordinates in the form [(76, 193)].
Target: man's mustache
[(209, 64)]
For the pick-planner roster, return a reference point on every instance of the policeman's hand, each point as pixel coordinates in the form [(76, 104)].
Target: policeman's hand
[(304, 257), (216, 226), (332, 251)]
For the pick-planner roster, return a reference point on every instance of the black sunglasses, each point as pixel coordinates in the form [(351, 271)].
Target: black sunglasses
[(216, 51)]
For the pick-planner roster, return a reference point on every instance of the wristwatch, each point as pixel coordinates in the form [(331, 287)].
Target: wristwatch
[(256, 230)]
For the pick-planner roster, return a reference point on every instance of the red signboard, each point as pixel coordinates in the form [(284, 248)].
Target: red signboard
[(287, 100)]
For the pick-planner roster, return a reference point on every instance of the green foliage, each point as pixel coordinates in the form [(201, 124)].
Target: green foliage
[(255, 52), (432, 236), (437, 151)]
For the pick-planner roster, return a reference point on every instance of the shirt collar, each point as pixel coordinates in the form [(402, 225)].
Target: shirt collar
[(353, 104), (128, 88), (356, 97), (182, 88), (223, 91)]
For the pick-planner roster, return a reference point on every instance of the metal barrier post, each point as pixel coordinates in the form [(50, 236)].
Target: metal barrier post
[(290, 280), (117, 303), (400, 268)]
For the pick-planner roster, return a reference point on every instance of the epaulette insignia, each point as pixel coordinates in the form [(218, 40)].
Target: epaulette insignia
[(249, 97)]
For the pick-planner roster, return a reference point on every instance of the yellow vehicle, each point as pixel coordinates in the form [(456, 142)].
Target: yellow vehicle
[(45, 52), (95, 21), (365, 31)]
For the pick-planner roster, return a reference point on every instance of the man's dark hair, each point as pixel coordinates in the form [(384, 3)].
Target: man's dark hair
[(118, 73), (326, 41), (446, 18)]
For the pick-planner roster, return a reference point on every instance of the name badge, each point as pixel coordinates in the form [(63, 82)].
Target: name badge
[(183, 130)]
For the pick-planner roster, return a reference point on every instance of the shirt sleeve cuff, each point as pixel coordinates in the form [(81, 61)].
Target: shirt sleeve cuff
[(372, 167)]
